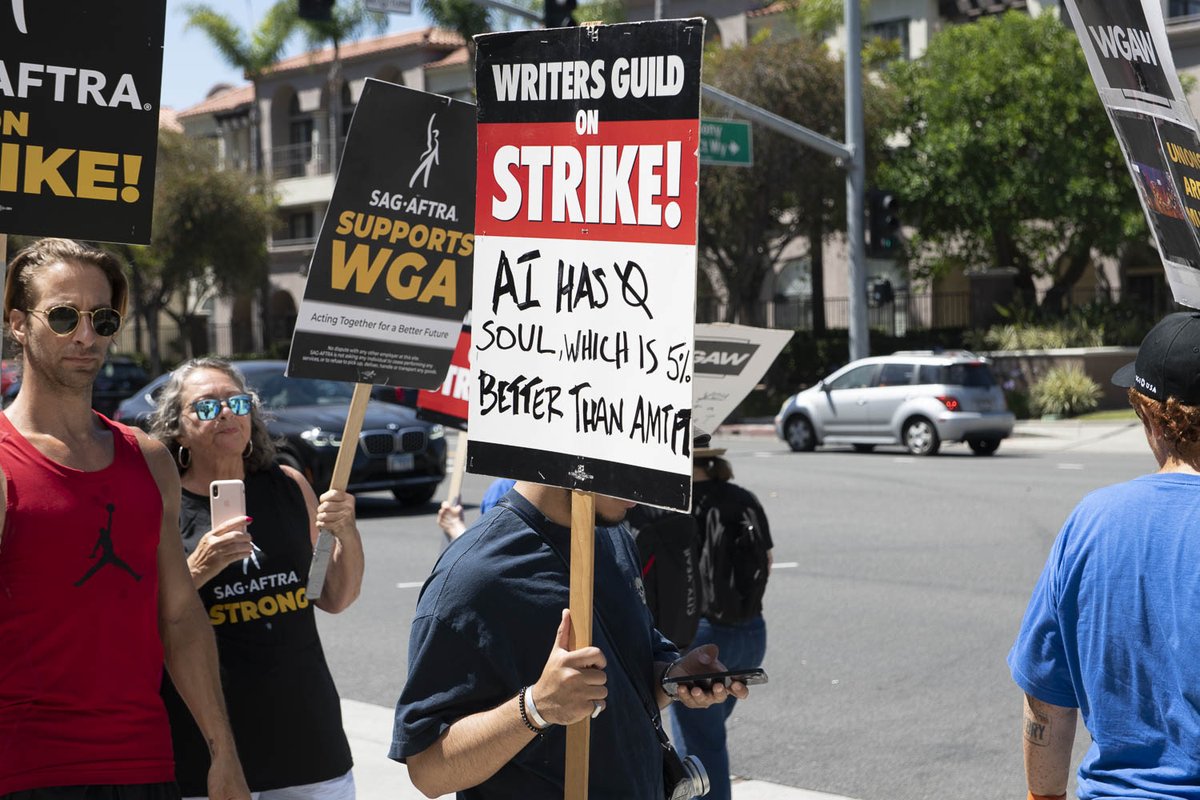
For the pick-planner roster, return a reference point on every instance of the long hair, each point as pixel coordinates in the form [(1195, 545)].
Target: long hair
[(165, 422), (715, 467), (1179, 423)]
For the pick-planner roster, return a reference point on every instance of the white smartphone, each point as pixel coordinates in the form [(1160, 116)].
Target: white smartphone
[(226, 499)]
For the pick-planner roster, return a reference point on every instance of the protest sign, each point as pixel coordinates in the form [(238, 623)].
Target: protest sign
[(730, 361), (1130, 61), (389, 282), (79, 93), (584, 295), (447, 404)]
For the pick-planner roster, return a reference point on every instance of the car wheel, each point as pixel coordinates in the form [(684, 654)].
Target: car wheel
[(983, 447), (415, 497), (920, 437), (864, 448), (800, 435)]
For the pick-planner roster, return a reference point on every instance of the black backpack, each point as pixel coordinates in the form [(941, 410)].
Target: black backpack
[(735, 560), (668, 544)]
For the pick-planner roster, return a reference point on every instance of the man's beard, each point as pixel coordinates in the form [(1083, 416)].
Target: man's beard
[(603, 522), (55, 374)]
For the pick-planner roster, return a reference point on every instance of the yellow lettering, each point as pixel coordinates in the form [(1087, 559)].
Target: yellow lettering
[(249, 611), (39, 170), (16, 124), (1193, 216), (287, 602), (302, 598), (267, 606), (92, 170), (405, 291), (345, 223), (399, 231), (468, 245), (216, 615), (442, 285), (10, 157), (365, 275)]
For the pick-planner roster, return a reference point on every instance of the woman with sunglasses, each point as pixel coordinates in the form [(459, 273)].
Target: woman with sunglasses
[(251, 573)]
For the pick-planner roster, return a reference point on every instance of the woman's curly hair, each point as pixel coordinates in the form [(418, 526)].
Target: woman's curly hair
[(165, 421), (1179, 423)]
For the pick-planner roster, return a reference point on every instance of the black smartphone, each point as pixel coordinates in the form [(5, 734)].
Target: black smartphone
[(750, 677)]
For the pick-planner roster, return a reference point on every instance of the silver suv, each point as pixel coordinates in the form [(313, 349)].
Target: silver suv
[(917, 399)]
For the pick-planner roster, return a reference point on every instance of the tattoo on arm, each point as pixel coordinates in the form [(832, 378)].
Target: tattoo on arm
[(1037, 727)]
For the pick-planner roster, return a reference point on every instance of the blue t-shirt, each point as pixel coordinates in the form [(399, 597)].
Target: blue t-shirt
[(495, 493), (484, 627), (1113, 628)]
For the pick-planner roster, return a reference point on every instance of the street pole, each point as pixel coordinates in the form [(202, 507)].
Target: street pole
[(860, 346)]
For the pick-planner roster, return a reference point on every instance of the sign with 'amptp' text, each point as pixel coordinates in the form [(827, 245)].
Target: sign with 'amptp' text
[(79, 91), (1130, 61), (390, 278), (584, 292)]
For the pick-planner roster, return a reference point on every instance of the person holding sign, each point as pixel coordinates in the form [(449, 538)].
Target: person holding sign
[(94, 590), (1111, 627), (282, 701), (492, 680)]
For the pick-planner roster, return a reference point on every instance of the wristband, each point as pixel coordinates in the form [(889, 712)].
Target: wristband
[(524, 703), (669, 689), (537, 718), (1033, 796)]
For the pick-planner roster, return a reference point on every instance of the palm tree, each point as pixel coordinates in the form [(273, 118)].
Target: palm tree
[(464, 17), (253, 54), (348, 21)]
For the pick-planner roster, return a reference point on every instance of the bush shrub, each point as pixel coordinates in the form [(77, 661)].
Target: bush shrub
[(1065, 391)]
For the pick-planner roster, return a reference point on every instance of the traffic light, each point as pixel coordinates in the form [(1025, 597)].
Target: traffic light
[(883, 223), (557, 13), (316, 10)]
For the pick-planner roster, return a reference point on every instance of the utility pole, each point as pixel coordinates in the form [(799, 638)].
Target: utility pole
[(860, 346)]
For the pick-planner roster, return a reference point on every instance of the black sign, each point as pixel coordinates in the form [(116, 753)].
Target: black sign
[(390, 280), (1121, 37), (79, 92)]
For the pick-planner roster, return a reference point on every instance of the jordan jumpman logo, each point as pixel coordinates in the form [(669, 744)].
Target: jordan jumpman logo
[(109, 556)]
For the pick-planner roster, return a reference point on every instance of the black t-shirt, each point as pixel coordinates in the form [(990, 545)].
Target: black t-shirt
[(484, 626), (283, 705)]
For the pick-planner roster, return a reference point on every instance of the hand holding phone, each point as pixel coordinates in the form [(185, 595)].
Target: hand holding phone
[(705, 681), (227, 500)]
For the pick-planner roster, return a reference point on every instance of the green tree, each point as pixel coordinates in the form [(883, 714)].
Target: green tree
[(465, 17), (209, 233), (1008, 158), (749, 215)]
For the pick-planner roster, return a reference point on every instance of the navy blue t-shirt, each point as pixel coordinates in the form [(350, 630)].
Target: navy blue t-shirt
[(484, 627)]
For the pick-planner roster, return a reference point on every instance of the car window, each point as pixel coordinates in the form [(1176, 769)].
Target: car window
[(276, 390), (896, 374), (974, 375), (856, 378), (929, 373)]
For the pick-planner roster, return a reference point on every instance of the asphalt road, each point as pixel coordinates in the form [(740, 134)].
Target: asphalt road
[(899, 586)]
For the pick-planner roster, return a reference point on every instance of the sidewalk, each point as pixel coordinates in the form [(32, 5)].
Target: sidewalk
[(376, 777), (1028, 435)]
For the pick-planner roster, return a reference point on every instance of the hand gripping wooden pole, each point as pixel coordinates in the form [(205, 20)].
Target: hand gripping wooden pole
[(341, 477), (583, 559)]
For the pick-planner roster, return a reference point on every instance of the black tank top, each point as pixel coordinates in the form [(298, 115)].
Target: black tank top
[(283, 705)]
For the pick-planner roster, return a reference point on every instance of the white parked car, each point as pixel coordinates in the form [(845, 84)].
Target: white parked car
[(915, 399)]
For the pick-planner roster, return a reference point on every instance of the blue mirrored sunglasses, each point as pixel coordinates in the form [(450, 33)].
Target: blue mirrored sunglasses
[(208, 408)]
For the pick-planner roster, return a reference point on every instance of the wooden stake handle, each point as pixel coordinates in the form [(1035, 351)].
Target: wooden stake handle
[(583, 562), (454, 493)]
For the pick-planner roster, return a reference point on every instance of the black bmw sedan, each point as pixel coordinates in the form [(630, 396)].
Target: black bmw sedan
[(396, 451)]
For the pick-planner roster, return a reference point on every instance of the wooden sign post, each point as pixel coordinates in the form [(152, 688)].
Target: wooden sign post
[(583, 560), (323, 551)]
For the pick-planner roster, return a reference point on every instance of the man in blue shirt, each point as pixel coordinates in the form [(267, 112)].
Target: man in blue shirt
[(1113, 628), (492, 681)]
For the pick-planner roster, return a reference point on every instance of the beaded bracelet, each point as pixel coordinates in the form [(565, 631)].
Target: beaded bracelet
[(524, 715)]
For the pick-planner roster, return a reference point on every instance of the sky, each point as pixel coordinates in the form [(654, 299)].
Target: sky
[(191, 65)]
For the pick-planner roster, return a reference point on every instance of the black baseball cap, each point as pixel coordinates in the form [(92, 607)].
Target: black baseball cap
[(1168, 361)]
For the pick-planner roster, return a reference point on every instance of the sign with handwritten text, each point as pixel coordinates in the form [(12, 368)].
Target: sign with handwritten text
[(79, 84), (584, 292), (390, 278)]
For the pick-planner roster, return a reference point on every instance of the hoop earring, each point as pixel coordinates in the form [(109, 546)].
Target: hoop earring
[(184, 457), (249, 449)]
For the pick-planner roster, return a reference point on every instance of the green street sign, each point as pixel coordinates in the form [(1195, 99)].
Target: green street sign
[(725, 142)]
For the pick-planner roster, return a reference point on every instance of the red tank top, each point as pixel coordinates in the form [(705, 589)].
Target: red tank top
[(80, 657)]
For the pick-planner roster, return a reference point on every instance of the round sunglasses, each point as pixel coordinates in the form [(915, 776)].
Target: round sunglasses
[(209, 408), (63, 320)]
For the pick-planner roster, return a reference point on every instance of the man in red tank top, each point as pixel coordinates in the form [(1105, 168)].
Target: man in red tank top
[(94, 589)]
